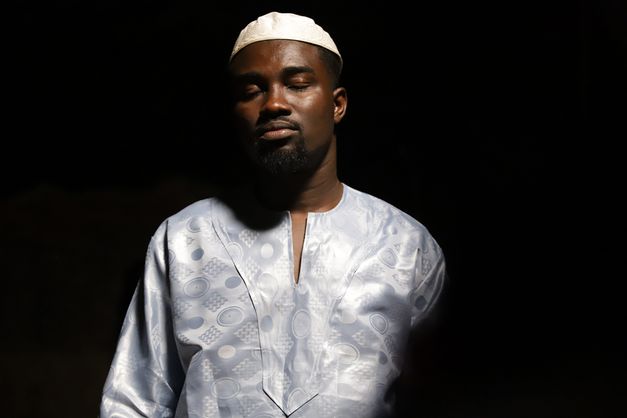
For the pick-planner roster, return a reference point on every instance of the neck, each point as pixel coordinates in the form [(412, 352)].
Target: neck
[(316, 191)]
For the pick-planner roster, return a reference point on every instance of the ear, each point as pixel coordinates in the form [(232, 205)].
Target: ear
[(340, 101)]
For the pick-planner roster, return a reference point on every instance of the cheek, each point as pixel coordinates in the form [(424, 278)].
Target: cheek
[(241, 130), (244, 120), (319, 115), (244, 114)]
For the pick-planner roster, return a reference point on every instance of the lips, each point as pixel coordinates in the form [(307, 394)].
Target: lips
[(276, 130)]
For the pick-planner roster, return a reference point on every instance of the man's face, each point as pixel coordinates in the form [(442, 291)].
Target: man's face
[(285, 105)]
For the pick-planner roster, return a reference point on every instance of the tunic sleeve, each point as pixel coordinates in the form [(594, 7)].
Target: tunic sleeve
[(418, 383), (430, 278), (146, 376)]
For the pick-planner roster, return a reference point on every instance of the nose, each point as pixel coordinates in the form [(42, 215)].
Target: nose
[(276, 102)]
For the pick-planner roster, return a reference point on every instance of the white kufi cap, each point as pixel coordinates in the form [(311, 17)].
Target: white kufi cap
[(290, 26)]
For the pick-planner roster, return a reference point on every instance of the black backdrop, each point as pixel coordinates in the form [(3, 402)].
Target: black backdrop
[(496, 124)]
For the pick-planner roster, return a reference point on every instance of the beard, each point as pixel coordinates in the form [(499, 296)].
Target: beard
[(276, 159)]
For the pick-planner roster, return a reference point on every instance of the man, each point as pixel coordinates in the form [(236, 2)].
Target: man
[(295, 299)]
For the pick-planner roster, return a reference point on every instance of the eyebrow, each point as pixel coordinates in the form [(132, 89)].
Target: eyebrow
[(252, 76), (289, 71)]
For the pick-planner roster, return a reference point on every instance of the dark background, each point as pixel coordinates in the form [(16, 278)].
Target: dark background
[(497, 124)]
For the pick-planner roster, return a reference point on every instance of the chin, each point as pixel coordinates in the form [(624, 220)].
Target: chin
[(283, 166), (282, 161)]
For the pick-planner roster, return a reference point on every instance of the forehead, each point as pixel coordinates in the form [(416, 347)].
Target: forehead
[(275, 55)]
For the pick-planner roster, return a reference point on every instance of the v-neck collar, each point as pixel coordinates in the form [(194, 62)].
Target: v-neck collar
[(293, 319)]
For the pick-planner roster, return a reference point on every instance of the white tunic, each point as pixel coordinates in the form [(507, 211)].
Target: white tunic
[(219, 328)]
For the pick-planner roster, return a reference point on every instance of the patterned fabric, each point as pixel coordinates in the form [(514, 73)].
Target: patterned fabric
[(219, 328)]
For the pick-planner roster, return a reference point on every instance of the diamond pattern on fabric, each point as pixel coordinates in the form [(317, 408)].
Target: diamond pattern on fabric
[(211, 335), (209, 407), (180, 306), (214, 302), (284, 344), (248, 405), (250, 267), (214, 267), (209, 370), (248, 237), (179, 272), (364, 337), (247, 369), (248, 333)]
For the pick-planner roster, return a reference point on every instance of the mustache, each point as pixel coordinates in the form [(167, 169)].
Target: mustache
[(278, 123)]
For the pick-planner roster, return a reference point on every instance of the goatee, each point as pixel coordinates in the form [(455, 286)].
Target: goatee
[(276, 158)]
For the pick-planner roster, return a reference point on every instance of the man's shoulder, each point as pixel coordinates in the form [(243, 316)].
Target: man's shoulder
[(387, 220), (190, 218), (393, 225), (200, 208), (386, 212)]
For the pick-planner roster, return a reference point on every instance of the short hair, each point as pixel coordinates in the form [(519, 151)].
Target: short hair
[(333, 64)]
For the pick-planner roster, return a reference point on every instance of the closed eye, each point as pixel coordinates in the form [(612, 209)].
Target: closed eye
[(298, 86), (248, 92), (252, 90), (246, 86)]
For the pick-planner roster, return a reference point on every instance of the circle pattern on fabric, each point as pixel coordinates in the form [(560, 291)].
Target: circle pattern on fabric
[(379, 323), (388, 257), (420, 303), (266, 323), (197, 254), (232, 282), (225, 388), (346, 353), (267, 250), (230, 316), (196, 322), (297, 397), (268, 284), (347, 317), (193, 225), (196, 287), (301, 324), (391, 229), (226, 351), (235, 250)]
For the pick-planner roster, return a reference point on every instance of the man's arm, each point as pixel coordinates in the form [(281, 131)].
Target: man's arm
[(417, 389), (146, 376)]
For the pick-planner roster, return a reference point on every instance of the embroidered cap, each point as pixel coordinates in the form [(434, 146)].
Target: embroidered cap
[(275, 25)]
